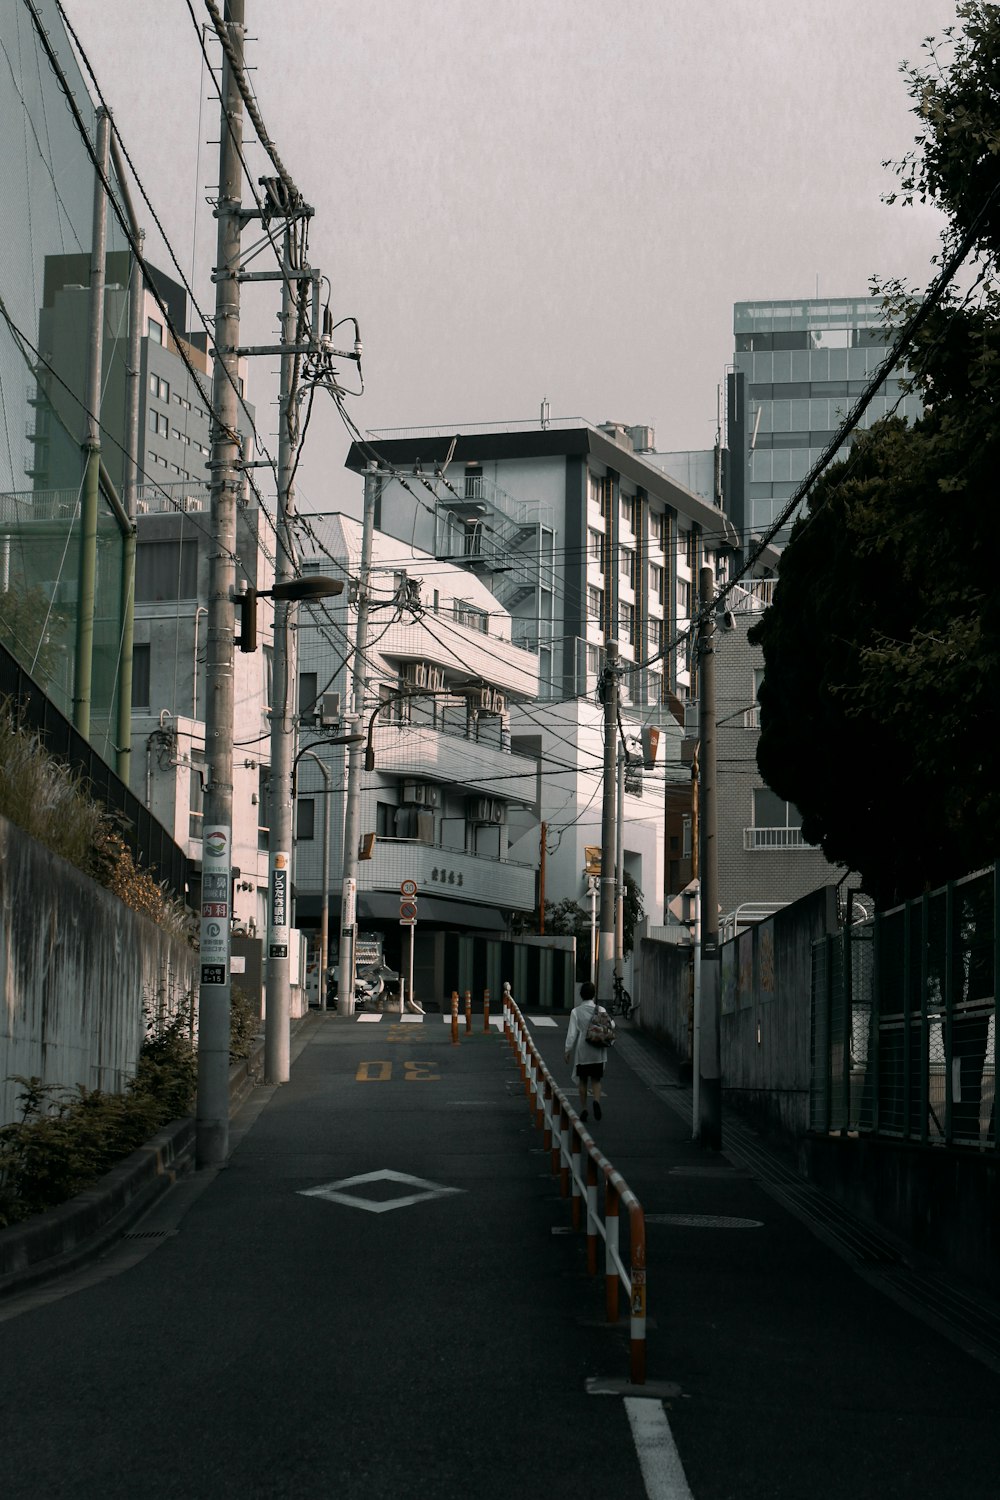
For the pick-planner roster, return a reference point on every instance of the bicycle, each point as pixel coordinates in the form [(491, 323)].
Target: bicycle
[(621, 1004)]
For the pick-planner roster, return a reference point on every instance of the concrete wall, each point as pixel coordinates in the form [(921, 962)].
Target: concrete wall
[(662, 992), (77, 968), (766, 1001)]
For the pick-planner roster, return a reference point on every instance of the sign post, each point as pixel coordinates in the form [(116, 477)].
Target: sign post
[(408, 918)]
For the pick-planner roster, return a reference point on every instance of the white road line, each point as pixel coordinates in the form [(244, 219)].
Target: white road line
[(372, 1017), (662, 1471)]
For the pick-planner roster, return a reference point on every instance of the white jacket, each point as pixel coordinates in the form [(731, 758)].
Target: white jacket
[(578, 1049)]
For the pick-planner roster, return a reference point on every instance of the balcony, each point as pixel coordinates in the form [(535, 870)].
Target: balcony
[(463, 651), (432, 755), (450, 873)]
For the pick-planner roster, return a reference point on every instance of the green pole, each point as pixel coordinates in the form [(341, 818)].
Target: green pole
[(83, 675)]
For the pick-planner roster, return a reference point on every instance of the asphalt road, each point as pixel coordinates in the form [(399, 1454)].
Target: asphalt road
[(276, 1342)]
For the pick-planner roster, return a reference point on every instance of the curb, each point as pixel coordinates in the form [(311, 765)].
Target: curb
[(78, 1230)]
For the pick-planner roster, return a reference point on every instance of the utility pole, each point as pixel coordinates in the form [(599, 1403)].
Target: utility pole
[(620, 864), (90, 494), (277, 1033), (709, 1122), (543, 835), (352, 814), (212, 1128), (132, 450), (606, 939)]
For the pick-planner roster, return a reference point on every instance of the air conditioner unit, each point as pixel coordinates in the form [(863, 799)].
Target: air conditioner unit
[(192, 502), (329, 710), (414, 791), (480, 810), (432, 796), (142, 507), (498, 812)]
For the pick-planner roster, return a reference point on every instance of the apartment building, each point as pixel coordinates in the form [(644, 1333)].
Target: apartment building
[(578, 533), (442, 675)]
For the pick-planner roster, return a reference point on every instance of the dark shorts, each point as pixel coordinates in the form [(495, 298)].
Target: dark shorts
[(589, 1070)]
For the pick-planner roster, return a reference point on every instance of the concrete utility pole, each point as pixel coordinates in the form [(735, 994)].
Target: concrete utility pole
[(606, 939), (90, 494), (709, 1123), (212, 1126), (356, 754), (277, 1032)]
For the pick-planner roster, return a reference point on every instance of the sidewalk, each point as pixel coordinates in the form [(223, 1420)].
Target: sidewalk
[(296, 1331)]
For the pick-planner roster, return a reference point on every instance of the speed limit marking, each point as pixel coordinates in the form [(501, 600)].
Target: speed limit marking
[(408, 888)]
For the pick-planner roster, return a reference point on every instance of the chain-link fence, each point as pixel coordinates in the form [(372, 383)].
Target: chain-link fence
[(905, 1020)]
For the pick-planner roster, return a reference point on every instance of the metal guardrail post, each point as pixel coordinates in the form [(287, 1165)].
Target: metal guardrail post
[(468, 1012), (486, 1010), (611, 1240), (637, 1331), (454, 1018), (591, 1215)]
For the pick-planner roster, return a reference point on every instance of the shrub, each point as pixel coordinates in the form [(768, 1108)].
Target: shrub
[(66, 1139), (244, 1024)]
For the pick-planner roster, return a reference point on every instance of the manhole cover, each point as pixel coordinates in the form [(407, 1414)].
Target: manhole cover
[(703, 1221)]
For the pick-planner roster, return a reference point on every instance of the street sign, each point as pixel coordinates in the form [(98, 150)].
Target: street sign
[(407, 911), (408, 888), (592, 860)]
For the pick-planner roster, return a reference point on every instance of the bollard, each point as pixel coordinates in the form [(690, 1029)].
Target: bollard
[(468, 1012), (486, 1010), (454, 1018), (547, 1113), (564, 1152), (637, 1234)]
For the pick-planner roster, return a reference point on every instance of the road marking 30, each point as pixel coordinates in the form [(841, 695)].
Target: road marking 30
[(380, 1071)]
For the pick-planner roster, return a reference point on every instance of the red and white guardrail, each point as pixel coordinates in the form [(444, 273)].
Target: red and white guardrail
[(568, 1143)]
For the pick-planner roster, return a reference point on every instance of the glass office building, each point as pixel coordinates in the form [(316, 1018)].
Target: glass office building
[(798, 369)]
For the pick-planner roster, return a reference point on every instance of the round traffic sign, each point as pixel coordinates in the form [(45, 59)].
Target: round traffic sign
[(408, 911), (408, 888)]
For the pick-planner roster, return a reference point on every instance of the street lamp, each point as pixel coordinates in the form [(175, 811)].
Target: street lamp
[(286, 593)]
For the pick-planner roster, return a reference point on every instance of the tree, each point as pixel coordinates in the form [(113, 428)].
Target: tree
[(882, 648)]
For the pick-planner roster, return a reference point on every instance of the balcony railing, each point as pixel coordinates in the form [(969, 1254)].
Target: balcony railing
[(431, 754), (461, 649), (447, 872), (774, 838)]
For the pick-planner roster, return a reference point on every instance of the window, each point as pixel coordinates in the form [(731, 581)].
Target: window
[(626, 622), (595, 491), (628, 511), (154, 330), (472, 617), (683, 599), (772, 811), (268, 655), (263, 806), (654, 636), (385, 820), (166, 570), (595, 546), (473, 482), (159, 388), (656, 527), (159, 424), (691, 549), (626, 564), (305, 819), (196, 795), (654, 687), (595, 603), (751, 718), (140, 676), (656, 582), (308, 689)]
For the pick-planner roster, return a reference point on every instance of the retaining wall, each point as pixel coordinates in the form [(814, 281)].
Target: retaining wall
[(77, 968)]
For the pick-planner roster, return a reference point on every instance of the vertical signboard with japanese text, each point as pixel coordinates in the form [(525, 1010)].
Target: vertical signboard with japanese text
[(216, 893), (277, 906)]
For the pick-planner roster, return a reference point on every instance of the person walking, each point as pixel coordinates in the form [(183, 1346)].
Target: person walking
[(587, 1058)]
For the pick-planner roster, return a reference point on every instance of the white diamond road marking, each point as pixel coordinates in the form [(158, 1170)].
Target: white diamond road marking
[(412, 1020), (371, 1019), (337, 1192)]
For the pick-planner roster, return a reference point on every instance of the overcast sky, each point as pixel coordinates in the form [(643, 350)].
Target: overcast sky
[(522, 199)]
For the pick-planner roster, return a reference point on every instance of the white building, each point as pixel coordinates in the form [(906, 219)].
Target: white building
[(439, 806), (584, 539)]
